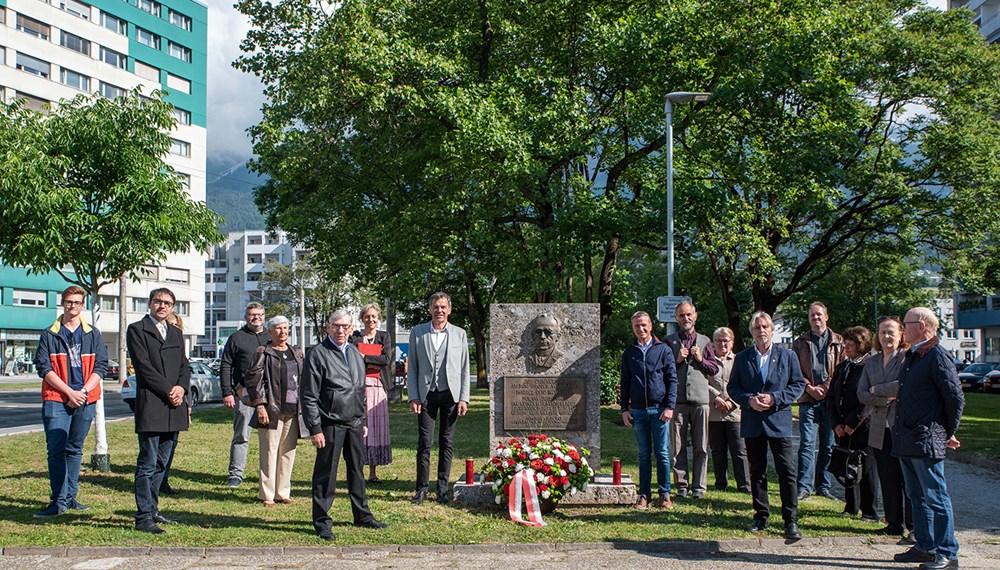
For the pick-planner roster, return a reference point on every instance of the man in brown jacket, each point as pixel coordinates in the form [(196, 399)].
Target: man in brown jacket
[(819, 351)]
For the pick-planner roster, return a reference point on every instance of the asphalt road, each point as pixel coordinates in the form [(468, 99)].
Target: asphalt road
[(21, 410)]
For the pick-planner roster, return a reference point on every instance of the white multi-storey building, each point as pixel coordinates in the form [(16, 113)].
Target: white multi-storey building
[(57, 49), (987, 16)]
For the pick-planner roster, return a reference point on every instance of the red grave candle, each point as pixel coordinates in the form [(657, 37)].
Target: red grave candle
[(616, 471), (470, 472)]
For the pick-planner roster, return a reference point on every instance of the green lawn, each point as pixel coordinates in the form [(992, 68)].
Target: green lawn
[(979, 431), (214, 515)]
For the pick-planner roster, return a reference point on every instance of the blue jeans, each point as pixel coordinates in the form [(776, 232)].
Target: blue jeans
[(814, 423), (933, 520), (652, 436), (154, 452), (65, 431)]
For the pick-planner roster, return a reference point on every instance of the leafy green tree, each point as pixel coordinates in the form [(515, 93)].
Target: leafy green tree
[(503, 147), (86, 192), (321, 294)]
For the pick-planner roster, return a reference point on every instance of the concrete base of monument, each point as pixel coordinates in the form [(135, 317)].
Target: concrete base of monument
[(600, 491)]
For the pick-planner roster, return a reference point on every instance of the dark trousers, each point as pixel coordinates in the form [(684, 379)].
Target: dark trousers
[(898, 510), (439, 403), (862, 496), (349, 440), (784, 464), (154, 452), (725, 441)]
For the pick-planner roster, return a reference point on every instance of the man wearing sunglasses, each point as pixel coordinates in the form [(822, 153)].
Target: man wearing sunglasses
[(71, 359)]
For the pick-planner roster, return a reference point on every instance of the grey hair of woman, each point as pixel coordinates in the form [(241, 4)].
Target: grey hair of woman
[(276, 321)]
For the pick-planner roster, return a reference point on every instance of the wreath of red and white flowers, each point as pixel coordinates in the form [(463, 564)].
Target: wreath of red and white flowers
[(559, 467)]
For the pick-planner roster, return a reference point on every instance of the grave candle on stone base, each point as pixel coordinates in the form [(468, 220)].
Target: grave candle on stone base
[(616, 471)]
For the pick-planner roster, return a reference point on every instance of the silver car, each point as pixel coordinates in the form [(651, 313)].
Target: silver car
[(205, 386)]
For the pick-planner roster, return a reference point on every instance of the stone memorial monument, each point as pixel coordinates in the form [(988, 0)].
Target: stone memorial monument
[(545, 373)]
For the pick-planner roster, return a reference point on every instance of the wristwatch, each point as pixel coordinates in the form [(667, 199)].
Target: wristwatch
[(85, 391)]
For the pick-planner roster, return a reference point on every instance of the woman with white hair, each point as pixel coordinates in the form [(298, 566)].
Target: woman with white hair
[(272, 383)]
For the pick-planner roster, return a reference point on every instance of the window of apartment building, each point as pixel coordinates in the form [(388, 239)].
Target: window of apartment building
[(180, 20), (147, 38), (219, 278), (33, 65), (74, 79), (29, 298), (178, 83), (255, 240), (109, 303), (183, 117), (208, 279), (114, 24), (33, 27), (75, 43), (254, 258), (991, 346), (112, 91), (180, 52), (150, 6), (138, 304), (33, 103), (253, 277), (968, 333), (176, 275), (114, 58), (949, 333), (236, 278), (3, 15), (185, 181), (3, 61), (180, 148), (275, 257), (146, 71), (272, 240), (78, 9)]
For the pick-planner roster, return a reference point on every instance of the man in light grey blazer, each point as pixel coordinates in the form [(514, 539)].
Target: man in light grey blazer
[(437, 383)]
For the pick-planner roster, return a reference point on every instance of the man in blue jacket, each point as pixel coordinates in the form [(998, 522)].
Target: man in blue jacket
[(766, 380), (928, 408), (648, 397)]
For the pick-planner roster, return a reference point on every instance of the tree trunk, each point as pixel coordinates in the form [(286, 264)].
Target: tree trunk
[(588, 275), (607, 276), (477, 323)]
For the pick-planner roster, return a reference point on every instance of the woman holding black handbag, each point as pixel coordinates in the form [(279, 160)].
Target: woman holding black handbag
[(849, 418)]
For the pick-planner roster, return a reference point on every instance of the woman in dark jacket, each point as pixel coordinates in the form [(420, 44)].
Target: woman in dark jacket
[(376, 347), (849, 418), (272, 383)]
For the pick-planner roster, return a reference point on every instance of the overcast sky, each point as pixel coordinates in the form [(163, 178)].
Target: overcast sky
[(234, 98)]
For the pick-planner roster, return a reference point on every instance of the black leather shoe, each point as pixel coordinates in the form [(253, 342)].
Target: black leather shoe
[(792, 531), (326, 535), (158, 518), (77, 506), (419, 498), (908, 539), (940, 561), (150, 527), (758, 525), (913, 555), (443, 499), (682, 493), (373, 523)]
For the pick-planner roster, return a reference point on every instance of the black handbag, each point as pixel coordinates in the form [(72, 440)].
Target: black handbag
[(846, 464)]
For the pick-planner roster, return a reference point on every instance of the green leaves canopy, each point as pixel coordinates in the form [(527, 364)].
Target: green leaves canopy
[(86, 189)]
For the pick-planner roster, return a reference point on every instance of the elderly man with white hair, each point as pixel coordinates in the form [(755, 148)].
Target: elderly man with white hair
[(929, 406), (272, 382)]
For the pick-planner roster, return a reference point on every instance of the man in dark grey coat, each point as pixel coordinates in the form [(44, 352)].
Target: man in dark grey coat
[(928, 408), (163, 377), (333, 403)]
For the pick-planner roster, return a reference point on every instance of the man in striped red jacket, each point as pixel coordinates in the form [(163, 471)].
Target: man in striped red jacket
[(71, 359)]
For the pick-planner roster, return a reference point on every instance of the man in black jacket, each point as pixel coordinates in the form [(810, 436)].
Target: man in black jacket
[(163, 377), (333, 404), (928, 409), (236, 356)]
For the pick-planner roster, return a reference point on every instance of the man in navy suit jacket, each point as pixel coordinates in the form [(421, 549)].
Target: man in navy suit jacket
[(765, 382)]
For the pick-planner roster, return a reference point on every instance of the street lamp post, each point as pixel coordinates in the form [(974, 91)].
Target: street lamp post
[(668, 111)]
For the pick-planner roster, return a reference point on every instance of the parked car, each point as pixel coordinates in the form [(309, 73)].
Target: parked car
[(205, 386), (112, 373), (991, 382), (973, 376)]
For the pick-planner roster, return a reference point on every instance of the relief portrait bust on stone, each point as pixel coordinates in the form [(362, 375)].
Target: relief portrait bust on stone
[(545, 332)]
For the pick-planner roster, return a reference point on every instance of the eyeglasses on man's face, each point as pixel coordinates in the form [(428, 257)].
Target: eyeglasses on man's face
[(340, 327), (163, 302), (71, 304)]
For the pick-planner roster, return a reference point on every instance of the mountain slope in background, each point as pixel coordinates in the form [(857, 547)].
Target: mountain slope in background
[(229, 193)]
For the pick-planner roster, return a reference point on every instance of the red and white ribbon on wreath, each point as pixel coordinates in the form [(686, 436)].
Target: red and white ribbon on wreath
[(524, 480)]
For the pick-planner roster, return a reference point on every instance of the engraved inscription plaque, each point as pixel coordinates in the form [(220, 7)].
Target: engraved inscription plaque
[(544, 403)]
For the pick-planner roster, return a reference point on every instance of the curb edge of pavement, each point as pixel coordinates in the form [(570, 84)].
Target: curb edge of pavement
[(686, 547)]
